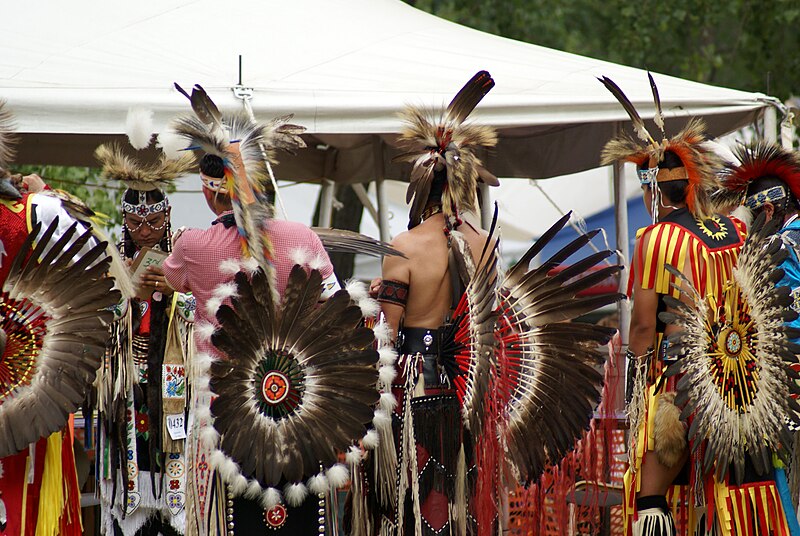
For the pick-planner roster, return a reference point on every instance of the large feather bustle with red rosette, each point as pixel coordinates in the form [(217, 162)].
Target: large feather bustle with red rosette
[(737, 390), (299, 386), (440, 139), (54, 316)]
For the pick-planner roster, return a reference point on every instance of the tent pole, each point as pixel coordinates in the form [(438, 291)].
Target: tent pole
[(380, 193), (487, 213), (787, 132), (621, 220), (771, 124), (362, 195), (326, 203)]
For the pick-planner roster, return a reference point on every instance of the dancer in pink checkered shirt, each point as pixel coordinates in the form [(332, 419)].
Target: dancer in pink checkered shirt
[(201, 261)]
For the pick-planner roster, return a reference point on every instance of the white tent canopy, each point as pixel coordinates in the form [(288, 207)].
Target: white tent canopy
[(343, 67)]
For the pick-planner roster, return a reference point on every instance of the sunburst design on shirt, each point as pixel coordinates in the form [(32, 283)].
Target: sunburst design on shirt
[(713, 227)]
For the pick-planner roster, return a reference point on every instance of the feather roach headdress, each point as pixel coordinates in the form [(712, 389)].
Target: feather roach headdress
[(243, 145), (137, 175), (699, 164), (141, 176), (761, 160), (300, 385), (54, 315), (737, 387), (439, 140)]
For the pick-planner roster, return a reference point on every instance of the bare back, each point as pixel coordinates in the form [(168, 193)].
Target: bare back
[(426, 272)]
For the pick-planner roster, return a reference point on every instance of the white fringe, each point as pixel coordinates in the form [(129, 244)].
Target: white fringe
[(387, 355), (217, 458), (383, 333), (653, 521), (381, 418), (388, 402), (202, 413), (300, 256), (204, 331), (238, 484), (213, 304), (317, 263), (209, 437), (253, 490), (225, 290), (250, 265), (386, 375), (229, 470), (356, 289)]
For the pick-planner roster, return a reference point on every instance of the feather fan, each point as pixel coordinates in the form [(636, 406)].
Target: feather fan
[(735, 356), (54, 316), (341, 240), (303, 377), (549, 384)]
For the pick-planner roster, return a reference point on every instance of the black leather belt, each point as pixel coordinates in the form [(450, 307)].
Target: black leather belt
[(419, 341), (424, 341)]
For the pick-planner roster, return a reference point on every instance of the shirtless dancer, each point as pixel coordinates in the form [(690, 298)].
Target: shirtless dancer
[(417, 295)]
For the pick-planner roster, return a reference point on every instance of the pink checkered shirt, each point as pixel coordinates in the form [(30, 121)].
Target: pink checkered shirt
[(194, 265)]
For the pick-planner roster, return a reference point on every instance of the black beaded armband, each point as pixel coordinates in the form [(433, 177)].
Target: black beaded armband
[(393, 292)]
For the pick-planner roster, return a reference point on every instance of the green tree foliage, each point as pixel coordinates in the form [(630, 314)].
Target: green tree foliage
[(734, 43), (84, 183)]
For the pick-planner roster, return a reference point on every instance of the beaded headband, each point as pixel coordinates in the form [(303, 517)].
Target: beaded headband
[(770, 195), (143, 209)]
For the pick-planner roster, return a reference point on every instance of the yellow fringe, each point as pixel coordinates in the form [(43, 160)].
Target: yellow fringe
[(51, 498)]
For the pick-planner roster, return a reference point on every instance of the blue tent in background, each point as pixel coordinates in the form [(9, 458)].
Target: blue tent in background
[(638, 217)]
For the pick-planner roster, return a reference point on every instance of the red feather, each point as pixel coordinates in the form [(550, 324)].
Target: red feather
[(764, 160)]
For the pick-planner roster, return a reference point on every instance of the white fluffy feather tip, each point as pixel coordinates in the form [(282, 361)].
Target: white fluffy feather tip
[(139, 127)]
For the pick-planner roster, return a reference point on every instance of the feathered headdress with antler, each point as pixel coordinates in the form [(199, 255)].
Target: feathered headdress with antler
[(243, 145), (761, 160), (699, 164), (439, 140), (54, 315)]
